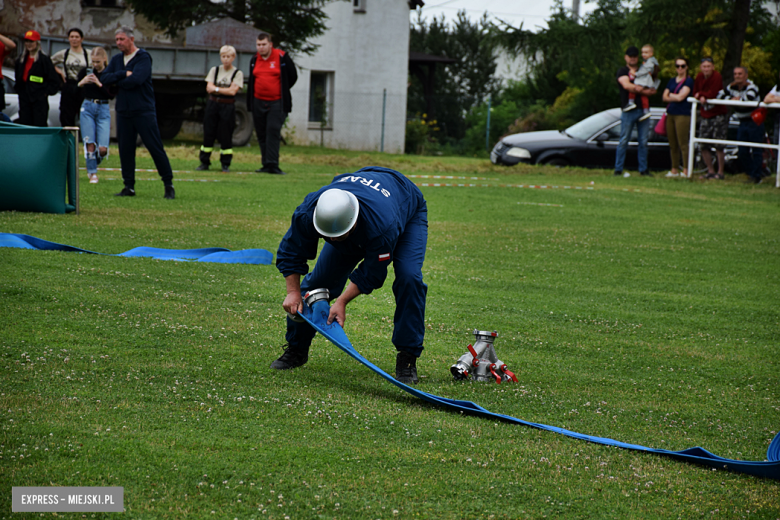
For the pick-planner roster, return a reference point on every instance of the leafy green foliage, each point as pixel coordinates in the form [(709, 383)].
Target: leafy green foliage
[(573, 64), (292, 23), (458, 86)]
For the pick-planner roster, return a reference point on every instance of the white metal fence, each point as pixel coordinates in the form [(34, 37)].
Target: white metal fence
[(693, 139)]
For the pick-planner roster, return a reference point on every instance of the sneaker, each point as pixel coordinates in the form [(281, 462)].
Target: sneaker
[(629, 107), (202, 167), (170, 193), (645, 174), (618, 174), (644, 116), (406, 368), (126, 192), (293, 357), (264, 169), (670, 174), (225, 169), (93, 178), (275, 170), (626, 175)]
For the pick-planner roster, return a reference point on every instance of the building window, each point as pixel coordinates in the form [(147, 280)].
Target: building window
[(359, 6), (320, 98)]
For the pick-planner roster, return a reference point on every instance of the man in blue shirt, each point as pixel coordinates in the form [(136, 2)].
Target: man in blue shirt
[(131, 71), (374, 216)]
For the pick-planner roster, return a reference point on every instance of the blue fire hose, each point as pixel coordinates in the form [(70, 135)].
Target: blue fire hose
[(210, 254), (317, 317)]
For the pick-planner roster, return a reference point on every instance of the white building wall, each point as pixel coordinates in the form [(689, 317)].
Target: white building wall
[(366, 53)]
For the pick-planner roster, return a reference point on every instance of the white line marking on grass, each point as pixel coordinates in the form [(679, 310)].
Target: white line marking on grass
[(533, 186), (541, 204), (176, 179), (155, 171)]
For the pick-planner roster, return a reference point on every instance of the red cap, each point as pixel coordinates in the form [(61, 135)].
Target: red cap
[(33, 36)]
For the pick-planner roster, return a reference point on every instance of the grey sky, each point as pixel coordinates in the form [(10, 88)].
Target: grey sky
[(533, 14)]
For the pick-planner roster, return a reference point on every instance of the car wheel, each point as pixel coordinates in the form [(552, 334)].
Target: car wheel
[(556, 161), (243, 130)]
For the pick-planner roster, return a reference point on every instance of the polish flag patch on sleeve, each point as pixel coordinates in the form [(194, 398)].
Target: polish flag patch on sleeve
[(384, 257)]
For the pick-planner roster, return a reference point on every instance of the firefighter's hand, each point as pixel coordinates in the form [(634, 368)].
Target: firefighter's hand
[(338, 312), (293, 302)]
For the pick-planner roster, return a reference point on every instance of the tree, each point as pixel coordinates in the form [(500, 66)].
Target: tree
[(291, 22), (461, 85), (573, 64), (719, 28)]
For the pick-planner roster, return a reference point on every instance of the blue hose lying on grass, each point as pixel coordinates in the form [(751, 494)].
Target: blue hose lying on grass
[(217, 255), (317, 317)]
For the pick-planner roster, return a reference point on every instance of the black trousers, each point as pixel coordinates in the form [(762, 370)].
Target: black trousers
[(269, 119), (218, 124), (71, 98), (35, 113), (128, 128)]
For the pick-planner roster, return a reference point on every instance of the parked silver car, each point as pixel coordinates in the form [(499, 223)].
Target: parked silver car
[(12, 100)]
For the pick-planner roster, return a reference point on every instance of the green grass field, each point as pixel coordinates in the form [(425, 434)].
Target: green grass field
[(644, 310)]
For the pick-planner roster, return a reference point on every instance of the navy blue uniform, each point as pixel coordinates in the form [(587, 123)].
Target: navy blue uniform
[(136, 114), (392, 226)]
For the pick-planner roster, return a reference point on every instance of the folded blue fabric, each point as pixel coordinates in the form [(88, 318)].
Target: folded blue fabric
[(210, 254), (317, 317)]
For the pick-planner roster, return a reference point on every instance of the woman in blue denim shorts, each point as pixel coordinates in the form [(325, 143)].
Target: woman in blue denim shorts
[(95, 114)]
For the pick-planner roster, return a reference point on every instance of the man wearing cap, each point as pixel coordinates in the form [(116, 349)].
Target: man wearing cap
[(625, 79), (374, 216), (131, 71), (36, 80)]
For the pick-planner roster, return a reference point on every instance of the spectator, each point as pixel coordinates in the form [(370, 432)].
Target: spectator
[(95, 115), (774, 97), (222, 84), (742, 89), (678, 116), (629, 119), (646, 76), (7, 46), (131, 71), (271, 75), (69, 63), (36, 80), (714, 122)]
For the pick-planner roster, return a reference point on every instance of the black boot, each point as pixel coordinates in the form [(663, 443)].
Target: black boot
[(406, 368), (293, 357)]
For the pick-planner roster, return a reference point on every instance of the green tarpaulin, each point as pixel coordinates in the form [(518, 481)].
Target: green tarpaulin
[(36, 167)]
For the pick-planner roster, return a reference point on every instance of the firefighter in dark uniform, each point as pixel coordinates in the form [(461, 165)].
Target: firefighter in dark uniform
[(368, 219), (222, 84)]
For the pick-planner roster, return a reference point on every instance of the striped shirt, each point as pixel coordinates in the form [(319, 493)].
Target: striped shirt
[(747, 93)]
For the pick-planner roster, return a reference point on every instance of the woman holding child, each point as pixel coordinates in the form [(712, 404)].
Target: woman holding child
[(678, 116)]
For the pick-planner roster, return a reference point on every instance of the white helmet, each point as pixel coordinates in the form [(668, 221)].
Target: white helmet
[(336, 213)]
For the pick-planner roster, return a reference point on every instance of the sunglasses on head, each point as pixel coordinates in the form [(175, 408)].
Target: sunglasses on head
[(706, 60)]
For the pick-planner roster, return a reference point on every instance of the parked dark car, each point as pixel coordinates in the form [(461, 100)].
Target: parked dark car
[(590, 143)]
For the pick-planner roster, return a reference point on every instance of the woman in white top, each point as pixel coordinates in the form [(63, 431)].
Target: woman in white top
[(69, 63), (222, 85)]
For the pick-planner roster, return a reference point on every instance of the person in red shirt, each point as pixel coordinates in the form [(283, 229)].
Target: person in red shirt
[(714, 118), (7, 46), (271, 75), (36, 80)]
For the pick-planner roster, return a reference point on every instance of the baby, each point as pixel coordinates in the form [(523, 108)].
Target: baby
[(646, 76)]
